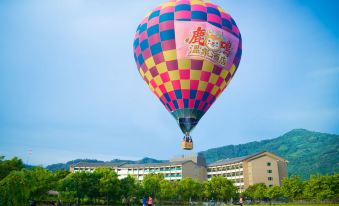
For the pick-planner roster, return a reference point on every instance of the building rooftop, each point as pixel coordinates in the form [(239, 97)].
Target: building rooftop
[(125, 165), (156, 164), (234, 160), (97, 164)]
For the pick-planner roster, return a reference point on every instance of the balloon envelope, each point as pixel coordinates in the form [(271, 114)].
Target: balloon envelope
[(187, 51)]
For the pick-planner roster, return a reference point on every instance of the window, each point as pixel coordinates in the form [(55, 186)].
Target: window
[(268, 163), (270, 178), (269, 171)]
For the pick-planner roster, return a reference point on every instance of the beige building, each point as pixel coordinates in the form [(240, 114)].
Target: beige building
[(263, 167)]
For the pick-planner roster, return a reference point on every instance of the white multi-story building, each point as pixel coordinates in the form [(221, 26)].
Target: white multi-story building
[(173, 170)]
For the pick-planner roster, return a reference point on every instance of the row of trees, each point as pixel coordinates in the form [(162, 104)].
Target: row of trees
[(18, 185), (317, 188), (102, 186)]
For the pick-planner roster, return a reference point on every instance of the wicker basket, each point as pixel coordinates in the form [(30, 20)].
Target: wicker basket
[(187, 145)]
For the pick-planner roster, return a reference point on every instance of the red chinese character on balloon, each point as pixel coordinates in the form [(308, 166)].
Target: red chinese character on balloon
[(228, 48), (198, 36)]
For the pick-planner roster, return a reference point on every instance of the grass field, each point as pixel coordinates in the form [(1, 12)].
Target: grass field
[(308, 204), (305, 204), (287, 204)]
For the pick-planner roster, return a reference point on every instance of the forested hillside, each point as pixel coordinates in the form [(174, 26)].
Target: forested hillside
[(307, 152)]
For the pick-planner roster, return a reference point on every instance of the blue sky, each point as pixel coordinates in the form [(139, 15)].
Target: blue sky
[(69, 87)]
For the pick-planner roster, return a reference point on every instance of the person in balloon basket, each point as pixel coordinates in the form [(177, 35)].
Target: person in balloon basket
[(150, 201)]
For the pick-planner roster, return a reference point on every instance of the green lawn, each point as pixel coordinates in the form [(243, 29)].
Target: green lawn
[(309, 204), (306, 204)]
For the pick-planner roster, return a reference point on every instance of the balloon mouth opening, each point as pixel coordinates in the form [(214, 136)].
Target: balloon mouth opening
[(187, 119), (187, 124)]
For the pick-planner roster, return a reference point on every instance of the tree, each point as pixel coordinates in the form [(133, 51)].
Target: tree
[(60, 174), (108, 183), (260, 191), (335, 185), (292, 188), (256, 191), (6, 166), (220, 188), (249, 192), (40, 182), (321, 187), (78, 184), (28, 184), (151, 184), (168, 190), (129, 188), (274, 193), (189, 188), (93, 190), (14, 189)]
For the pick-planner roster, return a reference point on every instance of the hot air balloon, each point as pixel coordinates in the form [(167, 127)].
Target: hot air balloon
[(187, 51)]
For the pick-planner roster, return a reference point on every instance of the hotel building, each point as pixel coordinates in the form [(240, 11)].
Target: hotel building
[(263, 167)]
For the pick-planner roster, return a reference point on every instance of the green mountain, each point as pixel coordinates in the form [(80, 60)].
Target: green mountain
[(307, 152)]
